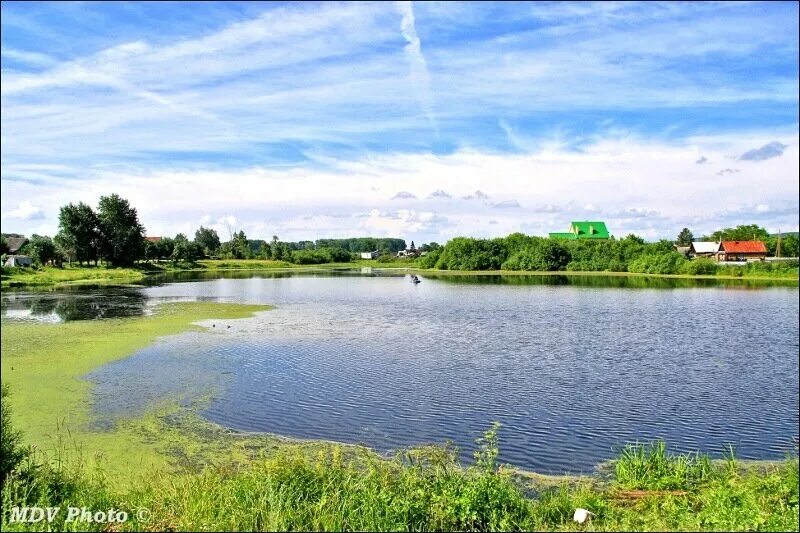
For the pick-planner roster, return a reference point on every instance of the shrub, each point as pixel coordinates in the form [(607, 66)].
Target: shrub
[(464, 253), (701, 266), (540, 254), (12, 452), (658, 263), (320, 256), (429, 260)]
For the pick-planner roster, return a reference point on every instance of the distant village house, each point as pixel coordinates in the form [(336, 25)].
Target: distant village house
[(729, 250), (683, 250), (370, 255), (742, 251), (15, 243), (411, 251), (18, 261), (704, 249), (583, 230)]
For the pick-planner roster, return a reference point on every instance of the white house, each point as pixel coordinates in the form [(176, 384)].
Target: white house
[(18, 261), (703, 249), (370, 255)]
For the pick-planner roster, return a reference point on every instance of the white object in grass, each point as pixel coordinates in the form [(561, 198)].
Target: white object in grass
[(582, 515)]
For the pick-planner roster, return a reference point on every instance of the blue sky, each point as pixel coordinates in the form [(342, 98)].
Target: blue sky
[(329, 120)]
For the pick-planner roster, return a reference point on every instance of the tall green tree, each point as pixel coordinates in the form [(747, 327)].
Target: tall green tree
[(208, 239), (276, 249), (122, 236), (185, 250), (79, 232), (65, 248), (239, 246), (789, 246), (41, 249), (744, 232), (685, 237)]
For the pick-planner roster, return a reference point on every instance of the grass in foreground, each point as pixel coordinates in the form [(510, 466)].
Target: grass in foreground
[(421, 490)]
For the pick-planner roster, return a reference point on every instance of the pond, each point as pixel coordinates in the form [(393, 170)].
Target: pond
[(572, 368)]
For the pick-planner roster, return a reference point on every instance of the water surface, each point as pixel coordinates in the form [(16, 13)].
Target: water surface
[(572, 369)]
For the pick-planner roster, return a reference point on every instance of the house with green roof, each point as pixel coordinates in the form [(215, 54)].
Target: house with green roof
[(583, 230)]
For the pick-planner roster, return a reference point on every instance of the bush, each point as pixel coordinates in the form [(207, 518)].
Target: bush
[(429, 260), (320, 256), (464, 253), (701, 266), (541, 255), (658, 263), (12, 452)]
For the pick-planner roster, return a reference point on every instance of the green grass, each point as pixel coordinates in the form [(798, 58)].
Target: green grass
[(49, 276), (422, 490), (44, 363)]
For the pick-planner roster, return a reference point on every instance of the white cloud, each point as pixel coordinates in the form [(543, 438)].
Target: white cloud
[(657, 189), (419, 74), (26, 211)]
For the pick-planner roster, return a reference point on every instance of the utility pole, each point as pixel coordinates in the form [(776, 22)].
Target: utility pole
[(778, 245)]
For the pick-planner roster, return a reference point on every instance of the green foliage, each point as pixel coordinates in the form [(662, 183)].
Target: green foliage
[(161, 249), (320, 256), (788, 268), (185, 250), (357, 244), (237, 248), (650, 467), (121, 234), (79, 233), (685, 237), (745, 232), (12, 452), (658, 263), (540, 254), (3, 245), (462, 253), (526, 253), (700, 266), (208, 239), (790, 246), (425, 489), (430, 259), (41, 249)]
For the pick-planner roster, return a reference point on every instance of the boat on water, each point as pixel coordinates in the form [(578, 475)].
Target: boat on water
[(415, 279)]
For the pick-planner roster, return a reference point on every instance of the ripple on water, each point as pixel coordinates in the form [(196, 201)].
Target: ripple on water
[(572, 373)]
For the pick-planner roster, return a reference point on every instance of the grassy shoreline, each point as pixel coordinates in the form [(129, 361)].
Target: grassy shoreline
[(50, 277), (44, 365)]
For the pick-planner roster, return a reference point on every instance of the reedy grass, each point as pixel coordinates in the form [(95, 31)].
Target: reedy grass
[(426, 489)]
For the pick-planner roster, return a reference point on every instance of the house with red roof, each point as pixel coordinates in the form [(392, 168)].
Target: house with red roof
[(742, 251)]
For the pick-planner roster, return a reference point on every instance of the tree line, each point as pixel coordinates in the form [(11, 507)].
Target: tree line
[(630, 254), (113, 233)]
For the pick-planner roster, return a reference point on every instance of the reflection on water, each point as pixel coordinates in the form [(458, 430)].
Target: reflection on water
[(571, 371), (64, 306), (610, 281), (87, 303)]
